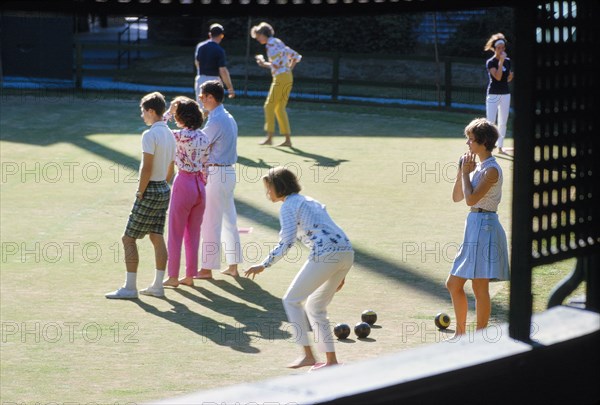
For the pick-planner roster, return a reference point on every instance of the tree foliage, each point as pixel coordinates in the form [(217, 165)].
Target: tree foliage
[(371, 34), (358, 34), (471, 36)]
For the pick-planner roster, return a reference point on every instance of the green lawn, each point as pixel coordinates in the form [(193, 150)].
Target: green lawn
[(68, 181)]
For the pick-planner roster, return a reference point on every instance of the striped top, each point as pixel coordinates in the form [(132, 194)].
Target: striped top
[(306, 219)]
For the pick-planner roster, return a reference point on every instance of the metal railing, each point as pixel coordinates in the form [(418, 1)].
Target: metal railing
[(126, 32), (334, 77)]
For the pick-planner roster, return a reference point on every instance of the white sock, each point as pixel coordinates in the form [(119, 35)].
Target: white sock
[(158, 278), (131, 281)]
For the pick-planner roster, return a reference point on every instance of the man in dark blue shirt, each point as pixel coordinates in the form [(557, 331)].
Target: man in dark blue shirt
[(211, 61)]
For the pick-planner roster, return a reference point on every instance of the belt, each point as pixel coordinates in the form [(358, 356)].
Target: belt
[(482, 210), (214, 164), (198, 173)]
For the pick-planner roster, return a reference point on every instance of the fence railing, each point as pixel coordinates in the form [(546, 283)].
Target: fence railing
[(336, 77)]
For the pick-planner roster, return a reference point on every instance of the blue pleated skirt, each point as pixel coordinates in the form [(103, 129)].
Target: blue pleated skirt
[(484, 251)]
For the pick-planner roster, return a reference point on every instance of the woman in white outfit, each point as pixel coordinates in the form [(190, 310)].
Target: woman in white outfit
[(497, 103), (322, 275), (483, 255)]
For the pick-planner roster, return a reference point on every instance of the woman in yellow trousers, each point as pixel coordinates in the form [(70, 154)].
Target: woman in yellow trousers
[(282, 60)]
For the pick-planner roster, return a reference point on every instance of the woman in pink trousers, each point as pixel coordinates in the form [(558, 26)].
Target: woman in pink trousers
[(188, 196)]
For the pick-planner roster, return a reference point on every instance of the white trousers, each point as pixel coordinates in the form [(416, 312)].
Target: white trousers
[(498, 105), (219, 223), (306, 299)]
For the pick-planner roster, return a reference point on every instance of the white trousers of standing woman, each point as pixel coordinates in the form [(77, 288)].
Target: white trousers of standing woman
[(498, 105), (311, 291)]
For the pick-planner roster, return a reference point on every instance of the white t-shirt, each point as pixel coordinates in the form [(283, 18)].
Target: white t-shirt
[(159, 141)]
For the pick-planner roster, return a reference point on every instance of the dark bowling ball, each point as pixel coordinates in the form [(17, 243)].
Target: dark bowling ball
[(442, 320), (369, 316), (341, 330), (362, 329)]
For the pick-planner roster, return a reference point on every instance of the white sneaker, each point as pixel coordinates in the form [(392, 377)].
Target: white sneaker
[(154, 291), (122, 294)]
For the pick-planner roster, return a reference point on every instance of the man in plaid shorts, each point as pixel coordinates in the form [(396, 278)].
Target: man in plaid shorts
[(152, 199)]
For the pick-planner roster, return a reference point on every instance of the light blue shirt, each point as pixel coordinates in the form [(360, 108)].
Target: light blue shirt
[(222, 131)]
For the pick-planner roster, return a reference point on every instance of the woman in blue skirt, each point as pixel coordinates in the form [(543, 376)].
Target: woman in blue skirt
[(483, 255)]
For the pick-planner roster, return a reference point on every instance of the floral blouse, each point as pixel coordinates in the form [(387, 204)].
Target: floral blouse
[(280, 56), (191, 149)]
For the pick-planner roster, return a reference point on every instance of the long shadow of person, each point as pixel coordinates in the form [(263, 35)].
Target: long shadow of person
[(319, 159), (250, 291), (244, 161), (209, 329), (266, 324)]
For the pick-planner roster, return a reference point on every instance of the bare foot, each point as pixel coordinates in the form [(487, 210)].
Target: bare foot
[(319, 366), (266, 141), (204, 275), (304, 361), (231, 271), (286, 143), (171, 282), (189, 281), (454, 338)]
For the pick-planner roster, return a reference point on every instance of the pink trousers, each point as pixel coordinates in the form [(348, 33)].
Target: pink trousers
[(188, 198)]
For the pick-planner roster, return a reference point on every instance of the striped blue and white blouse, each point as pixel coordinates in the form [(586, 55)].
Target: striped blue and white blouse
[(306, 219)]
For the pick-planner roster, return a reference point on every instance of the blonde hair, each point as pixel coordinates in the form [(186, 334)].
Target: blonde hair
[(263, 29), (490, 45)]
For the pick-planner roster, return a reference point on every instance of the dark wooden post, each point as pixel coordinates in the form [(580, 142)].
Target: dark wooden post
[(335, 85), (78, 65), (448, 82)]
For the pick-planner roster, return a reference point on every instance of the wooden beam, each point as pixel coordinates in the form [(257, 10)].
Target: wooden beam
[(489, 363)]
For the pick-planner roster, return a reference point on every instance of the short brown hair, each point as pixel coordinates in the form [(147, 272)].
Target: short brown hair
[(484, 132), (154, 101), (188, 112), (284, 181), (214, 88)]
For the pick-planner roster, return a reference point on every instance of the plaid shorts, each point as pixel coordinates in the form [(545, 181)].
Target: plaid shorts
[(148, 215)]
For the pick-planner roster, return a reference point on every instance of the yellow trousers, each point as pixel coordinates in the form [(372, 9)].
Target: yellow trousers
[(277, 100)]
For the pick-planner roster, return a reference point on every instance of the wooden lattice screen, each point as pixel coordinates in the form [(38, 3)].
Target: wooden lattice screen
[(556, 206)]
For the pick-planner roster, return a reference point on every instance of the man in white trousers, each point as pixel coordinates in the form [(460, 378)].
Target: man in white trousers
[(219, 224), (211, 61)]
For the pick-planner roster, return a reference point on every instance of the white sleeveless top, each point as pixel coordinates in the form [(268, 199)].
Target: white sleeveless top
[(492, 198)]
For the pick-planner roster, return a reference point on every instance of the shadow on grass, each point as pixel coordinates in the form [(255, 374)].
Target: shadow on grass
[(392, 271), (107, 153), (260, 163), (253, 323), (236, 337), (319, 159)]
